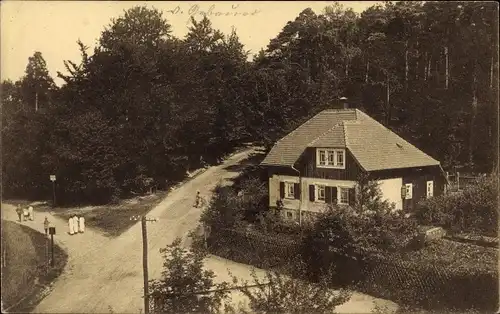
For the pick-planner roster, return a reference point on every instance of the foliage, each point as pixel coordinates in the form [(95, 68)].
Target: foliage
[(167, 105), (183, 278), (279, 293), (473, 210), (370, 226), (224, 210)]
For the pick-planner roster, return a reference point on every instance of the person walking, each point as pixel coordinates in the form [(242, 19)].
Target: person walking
[(19, 211), (75, 224), (25, 214), (198, 199), (81, 224), (30, 213), (46, 225), (70, 225)]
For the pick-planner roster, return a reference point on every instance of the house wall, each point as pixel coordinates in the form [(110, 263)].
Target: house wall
[(418, 177), (390, 181), (293, 205), (391, 191), (307, 167)]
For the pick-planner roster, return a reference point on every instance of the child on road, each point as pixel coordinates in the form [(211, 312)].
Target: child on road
[(19, 212), (30, 213), (46, 225)]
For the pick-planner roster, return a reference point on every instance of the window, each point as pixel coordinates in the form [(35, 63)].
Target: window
[(322, 159), (409, 190), (289, 215), (430, 189), (289, 190), (320, 190), (340, 159), (344, 196), (331, 158)]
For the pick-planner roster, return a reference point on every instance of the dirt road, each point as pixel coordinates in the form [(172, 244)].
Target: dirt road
[(105, 274)]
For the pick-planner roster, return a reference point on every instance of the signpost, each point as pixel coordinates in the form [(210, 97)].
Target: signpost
[(52, 231), (53, 179)]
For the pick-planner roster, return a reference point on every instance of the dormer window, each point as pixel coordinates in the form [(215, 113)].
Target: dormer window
[(330, 158)]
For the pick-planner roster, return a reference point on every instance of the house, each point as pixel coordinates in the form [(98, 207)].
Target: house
[(320, 162)]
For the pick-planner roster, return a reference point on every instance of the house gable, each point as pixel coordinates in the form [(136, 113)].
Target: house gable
[(307, 165)]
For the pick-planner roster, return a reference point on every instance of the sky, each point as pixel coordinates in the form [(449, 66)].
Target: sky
[(53, 27)]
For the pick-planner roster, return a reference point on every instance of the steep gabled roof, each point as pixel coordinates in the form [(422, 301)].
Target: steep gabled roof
[(374, 146), (286, 151)]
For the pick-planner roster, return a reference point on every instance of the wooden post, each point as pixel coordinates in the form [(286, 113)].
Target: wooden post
[(145, 264), (54, 193), (52, 249), (145, 258), (47, 257)]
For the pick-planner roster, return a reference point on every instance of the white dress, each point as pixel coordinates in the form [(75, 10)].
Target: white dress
[(82, 224), (30, 212), (75, 224), (70, 223)]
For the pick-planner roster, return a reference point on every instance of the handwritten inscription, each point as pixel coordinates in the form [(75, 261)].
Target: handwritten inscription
[(195, 11)]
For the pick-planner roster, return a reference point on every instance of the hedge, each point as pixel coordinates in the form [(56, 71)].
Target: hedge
[(418, 278)]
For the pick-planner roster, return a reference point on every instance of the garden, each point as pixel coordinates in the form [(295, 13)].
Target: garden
[(372, 249)]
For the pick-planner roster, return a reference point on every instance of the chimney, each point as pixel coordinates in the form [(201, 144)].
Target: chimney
[(343, 103)]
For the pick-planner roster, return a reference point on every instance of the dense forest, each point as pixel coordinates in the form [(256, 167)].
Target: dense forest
[(144, 107)]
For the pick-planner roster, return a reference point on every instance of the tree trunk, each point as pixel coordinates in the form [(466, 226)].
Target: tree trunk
[(388, 104), (429, 68), (425, 67), (418, 63), (491, 71), (473, 117), (406, 65), (447, 67), (367, 70)]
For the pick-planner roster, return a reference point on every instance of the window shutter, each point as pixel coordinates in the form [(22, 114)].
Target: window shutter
[(334, 195), (328, 194), (311, 193), (403, 192), (296, 190), (282, 189), (352, 197)]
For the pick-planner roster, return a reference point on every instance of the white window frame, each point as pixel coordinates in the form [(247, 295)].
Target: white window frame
[(339, 198), (409, 191), (316, 192), (289, 214), (289, 186), (327, 163), (429, 193)]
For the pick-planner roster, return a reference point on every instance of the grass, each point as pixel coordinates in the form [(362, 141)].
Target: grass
[(24, 273)]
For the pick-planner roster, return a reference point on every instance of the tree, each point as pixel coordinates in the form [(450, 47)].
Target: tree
[(37, 87), (184, 284), (139, 26), (279, 293)]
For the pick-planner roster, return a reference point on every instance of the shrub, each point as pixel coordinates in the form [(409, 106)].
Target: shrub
[(474, 210), (224, 210)]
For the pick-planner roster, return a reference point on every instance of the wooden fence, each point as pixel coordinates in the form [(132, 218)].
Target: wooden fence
[(458, 181)]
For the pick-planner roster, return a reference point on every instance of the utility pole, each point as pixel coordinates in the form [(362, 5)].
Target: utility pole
[(143, 220)]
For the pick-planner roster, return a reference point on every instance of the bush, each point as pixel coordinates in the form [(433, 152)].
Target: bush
[(443, 276), (474, 210)]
